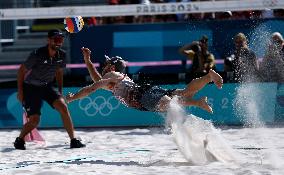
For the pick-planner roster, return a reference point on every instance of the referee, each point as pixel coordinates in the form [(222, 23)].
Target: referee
[(35, 84)]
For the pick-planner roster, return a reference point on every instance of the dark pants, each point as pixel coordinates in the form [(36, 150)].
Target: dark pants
[(34, 96), (150, 98)]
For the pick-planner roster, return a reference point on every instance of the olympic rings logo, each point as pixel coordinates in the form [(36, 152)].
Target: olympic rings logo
[(99, 105), (270, 3)]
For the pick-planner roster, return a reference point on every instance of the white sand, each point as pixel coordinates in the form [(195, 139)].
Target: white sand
[(180, 150), (138, 151)]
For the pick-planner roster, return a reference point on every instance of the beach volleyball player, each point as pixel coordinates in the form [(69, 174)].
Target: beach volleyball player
[(141, 97)]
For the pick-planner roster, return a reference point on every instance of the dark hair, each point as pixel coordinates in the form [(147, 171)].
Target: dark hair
[(54, 32), (118, 62)]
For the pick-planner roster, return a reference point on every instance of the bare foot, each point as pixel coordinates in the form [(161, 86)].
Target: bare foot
[(204, 105), (216, 78)]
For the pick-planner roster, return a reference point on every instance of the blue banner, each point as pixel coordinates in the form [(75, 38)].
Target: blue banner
[(100, 109), (279, 106), (232, 105), (161, 41), (235, 104)]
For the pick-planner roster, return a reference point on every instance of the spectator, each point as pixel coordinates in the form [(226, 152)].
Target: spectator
[(91, 21), (202, 59), (278, 13), (271, 67), (267, 13), (243, 63), (113, 2), (256, 14), (223, 15)]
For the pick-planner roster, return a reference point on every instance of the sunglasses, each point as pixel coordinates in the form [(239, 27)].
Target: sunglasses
[(203, 41), (58, 39)]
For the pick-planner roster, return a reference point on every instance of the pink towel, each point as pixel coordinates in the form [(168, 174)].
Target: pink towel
[(34, 135)]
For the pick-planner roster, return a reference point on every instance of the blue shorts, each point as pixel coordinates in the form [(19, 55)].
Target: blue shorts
[(150, 98)]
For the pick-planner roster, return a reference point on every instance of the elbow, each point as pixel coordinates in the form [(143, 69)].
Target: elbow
[(22, 70), (88, 90), (181, 51)]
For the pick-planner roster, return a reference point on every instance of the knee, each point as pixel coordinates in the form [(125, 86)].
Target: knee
[(62, 108)]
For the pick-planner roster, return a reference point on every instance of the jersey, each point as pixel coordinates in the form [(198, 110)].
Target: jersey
[(127, 92)]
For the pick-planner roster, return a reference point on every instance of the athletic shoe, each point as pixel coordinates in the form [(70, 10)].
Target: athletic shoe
[(75, 143), (20, 143)]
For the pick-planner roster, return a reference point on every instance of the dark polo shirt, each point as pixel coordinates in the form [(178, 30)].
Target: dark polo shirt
[(42, 67)]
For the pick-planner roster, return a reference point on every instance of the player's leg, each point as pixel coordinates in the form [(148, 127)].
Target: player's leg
[(163, 104), (55, 100), (197, 84), (32, 104), (30, 125), (61, 107), (27, 128), (201, 103)]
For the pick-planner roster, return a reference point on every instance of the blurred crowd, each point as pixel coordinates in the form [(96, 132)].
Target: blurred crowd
[(227, 15), (242, 65)]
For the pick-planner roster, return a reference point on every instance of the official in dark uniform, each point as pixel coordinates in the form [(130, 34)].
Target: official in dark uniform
[(36, 84)]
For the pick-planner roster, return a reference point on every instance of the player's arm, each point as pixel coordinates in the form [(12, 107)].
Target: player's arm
[(95, 75), (107, 84), (184, 49), (27, 65), (190, 49), (211, 62), (20, 81), (59, 79)]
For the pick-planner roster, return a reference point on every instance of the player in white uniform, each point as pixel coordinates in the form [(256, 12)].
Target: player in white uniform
[(146, 98)]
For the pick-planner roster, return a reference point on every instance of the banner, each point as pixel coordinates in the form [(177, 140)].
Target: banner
[(139, 9), (232, 105)]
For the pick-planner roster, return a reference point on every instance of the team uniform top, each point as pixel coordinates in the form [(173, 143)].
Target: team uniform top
[(126, 91), (42, 67), (144, 97)]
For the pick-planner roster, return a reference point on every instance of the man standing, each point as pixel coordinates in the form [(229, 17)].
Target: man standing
[(35, 84), (271, 67), (243, 63), (202, 59)]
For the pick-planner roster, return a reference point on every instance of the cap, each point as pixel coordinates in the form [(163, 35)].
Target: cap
[(118, 62), (55, 32)]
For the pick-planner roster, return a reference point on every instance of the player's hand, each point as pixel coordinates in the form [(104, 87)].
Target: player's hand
[(86, 53), (69, 97), (20, 96)]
